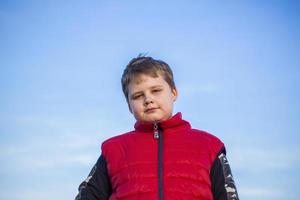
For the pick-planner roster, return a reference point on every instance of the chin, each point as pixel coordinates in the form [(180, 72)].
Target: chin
[(156, 119), (152, 119)]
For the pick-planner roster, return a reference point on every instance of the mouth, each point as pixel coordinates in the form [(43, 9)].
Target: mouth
[(150, 110)]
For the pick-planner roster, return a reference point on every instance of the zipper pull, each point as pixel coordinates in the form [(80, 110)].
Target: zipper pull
[(155, 134)]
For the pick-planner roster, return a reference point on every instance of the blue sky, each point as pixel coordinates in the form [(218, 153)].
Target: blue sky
[(236, 66)]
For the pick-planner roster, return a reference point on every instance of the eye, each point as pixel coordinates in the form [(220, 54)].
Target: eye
[(156, 90), (137, 96)]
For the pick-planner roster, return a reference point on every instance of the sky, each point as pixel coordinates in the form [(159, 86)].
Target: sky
[(236, 67)]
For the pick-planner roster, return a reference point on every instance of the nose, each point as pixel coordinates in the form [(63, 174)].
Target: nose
[(148, 100)]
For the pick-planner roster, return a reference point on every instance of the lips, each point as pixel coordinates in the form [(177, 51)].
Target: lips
[(149, 110)]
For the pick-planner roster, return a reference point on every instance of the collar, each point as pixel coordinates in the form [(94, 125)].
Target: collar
[(175, 121)]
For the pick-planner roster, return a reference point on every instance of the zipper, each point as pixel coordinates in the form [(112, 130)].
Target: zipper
[(159, 136), (156, 133)]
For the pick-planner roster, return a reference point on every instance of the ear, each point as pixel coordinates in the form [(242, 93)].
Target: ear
[(129, 107), (174, 94)]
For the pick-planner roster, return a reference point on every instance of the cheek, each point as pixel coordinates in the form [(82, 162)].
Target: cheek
[(166, 104), (134, 107), (137, 113), (169, 102)]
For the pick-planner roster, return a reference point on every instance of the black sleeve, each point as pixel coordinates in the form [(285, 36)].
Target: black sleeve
[(97, 185), (222, 183)]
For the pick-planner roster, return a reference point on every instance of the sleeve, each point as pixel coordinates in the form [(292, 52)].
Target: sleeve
[(97, 185), (222, 183)]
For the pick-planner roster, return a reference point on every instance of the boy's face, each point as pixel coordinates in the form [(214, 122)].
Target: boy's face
[(151, 99)]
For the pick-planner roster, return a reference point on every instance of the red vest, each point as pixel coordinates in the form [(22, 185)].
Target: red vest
[(187, 158)]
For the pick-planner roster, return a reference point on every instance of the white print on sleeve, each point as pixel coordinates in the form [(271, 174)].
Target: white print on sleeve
[(229, 182)]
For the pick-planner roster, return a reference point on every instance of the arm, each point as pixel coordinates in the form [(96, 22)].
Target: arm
[(97, 185), (222, 183)]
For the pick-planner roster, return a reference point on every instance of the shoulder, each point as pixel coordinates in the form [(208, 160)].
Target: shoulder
[(117, 139), (118, 143), (212, 142), (205, 136)]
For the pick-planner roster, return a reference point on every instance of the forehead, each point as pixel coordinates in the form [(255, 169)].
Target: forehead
[(143, 81), (139, 78)]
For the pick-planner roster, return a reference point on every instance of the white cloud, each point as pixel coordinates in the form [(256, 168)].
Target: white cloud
[(259, 159), (38, 162), (68, 191), (192, 89), (50, 151), (260, 193)]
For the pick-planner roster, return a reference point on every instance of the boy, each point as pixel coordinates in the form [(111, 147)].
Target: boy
[(163, 158)]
